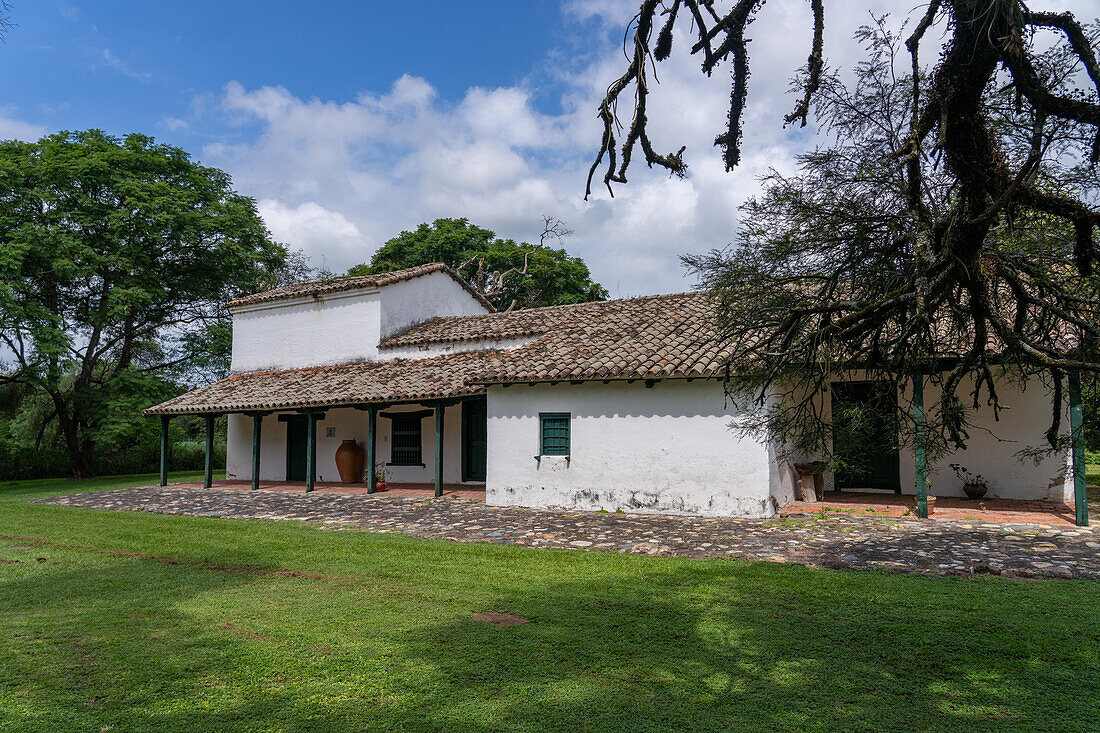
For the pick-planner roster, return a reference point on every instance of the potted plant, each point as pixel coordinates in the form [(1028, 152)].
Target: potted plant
[(380, 476), (974, 484)]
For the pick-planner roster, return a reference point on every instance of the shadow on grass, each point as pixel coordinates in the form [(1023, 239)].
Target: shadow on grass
[(115, 644), (811, 656), (612, 643)]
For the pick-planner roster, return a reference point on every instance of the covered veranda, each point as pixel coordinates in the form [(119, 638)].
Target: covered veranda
[(313, 418), (437, 390), (921, 505)]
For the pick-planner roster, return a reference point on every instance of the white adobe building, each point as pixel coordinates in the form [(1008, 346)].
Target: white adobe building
[(610, 405)]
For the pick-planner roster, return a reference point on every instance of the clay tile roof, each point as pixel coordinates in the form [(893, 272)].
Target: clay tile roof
[(453, 375), (653, 336), (636, 338), (317, 288)]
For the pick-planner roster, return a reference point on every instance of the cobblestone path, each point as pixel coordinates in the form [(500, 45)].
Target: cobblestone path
[(839, 540)]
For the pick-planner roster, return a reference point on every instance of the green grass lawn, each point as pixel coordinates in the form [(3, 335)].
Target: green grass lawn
[(138, 622)]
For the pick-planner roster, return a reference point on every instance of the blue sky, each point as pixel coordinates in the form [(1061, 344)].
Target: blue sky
[(351, 121), (124, 65)]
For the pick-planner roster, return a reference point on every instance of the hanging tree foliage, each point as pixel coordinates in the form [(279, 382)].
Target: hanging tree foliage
[(951, 228)]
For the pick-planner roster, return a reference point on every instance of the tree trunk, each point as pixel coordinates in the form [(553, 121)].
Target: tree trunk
[(79, 451)]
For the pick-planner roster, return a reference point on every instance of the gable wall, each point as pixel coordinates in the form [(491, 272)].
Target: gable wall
[(414, 301), (341, 328)]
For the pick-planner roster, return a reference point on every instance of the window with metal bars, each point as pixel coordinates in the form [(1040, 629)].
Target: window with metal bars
[(554, 433), (405, 441)]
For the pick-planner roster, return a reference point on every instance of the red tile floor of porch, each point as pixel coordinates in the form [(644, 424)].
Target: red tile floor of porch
[(463, 491), (944, 507)]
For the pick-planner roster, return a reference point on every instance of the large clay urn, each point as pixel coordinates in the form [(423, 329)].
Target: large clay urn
[(349, 462)]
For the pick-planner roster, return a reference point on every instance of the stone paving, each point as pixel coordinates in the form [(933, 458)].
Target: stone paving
[(831, 539)]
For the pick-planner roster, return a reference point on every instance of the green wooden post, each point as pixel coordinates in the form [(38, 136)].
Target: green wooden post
[(208, 475), (257, 421), (1077, 436), (439, 410), (918, 445), (164, 449), (311, 450), (372, 431)]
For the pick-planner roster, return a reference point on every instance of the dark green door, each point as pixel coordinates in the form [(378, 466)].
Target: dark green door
[(865, 436), (474, 443), (296, 429)]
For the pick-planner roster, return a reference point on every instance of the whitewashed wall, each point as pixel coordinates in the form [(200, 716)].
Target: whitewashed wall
[(993, 444), (343, 327), (665, 449), (992, 447), (289, 334), (349, 425), (409, 302)]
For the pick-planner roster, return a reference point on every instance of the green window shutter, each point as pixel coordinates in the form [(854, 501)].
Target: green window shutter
[(406, 441), (554, 433)]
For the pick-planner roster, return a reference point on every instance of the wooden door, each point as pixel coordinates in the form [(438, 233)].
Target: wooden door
[(296, 429), (474, 439)]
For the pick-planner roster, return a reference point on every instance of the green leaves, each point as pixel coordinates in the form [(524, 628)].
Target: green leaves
[(553, 277), (114, 253)]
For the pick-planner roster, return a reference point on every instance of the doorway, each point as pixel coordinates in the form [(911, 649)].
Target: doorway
[(296, 429), (474, 440), (865, 436)]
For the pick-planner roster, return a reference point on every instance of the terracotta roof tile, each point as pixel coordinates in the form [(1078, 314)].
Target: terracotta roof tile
[(387, 381), (649, 337), (652, 336), (316, 288)]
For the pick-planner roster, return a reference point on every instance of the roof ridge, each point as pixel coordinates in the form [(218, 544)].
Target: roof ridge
[(315, 288), (544, 308)]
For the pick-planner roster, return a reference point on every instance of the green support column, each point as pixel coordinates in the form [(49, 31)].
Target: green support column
[(372, 431), (918, 445), (208, 475), (257, 421), (439, 410), (164, 450), (311, 450), (1077, 436)]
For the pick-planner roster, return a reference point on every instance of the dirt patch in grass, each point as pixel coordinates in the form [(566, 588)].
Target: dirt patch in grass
[(500, 619)]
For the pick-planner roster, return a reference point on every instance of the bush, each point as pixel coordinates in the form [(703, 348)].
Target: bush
[(23, 462), (19, 462)]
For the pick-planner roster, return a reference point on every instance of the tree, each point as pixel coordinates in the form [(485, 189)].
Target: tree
[(960, 208), (116, 256), (508, 273)]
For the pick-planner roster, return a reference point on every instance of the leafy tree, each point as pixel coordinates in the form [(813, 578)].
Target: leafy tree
[(115, 258), (508, 273), (956, 207)]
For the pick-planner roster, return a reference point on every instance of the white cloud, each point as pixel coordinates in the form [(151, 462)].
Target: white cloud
[(175, 124), (114, 62), (339, 177), (312, 227), (13, 129)]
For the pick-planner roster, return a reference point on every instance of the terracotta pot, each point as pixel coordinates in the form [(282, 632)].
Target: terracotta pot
[(379, 485), (974, 491), (349, 461)]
